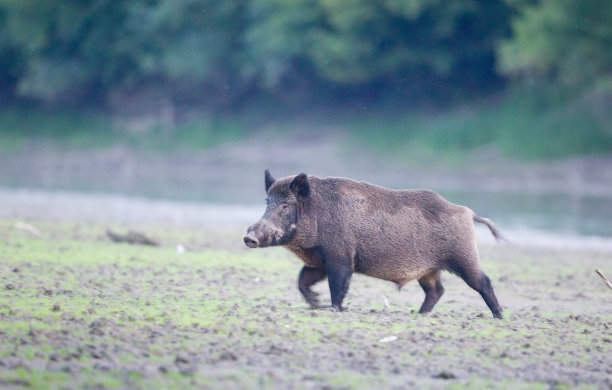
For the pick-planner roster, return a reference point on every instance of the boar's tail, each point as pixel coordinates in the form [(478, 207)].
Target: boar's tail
[(490, 225)]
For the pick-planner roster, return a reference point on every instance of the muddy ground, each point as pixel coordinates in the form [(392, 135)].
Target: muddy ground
[(79, 311)]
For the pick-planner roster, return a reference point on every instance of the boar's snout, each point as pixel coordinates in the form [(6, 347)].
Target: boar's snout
[(251, 240), (261, 235)]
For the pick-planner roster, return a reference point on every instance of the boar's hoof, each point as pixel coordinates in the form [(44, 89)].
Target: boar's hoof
[(315, 304), (337, 308), (251, 241), (312, 298)]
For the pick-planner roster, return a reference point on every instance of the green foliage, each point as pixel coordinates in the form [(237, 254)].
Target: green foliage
[(22, 127), (145, 54), (367, 40), (72, 50), (568, 41), (527, 124), (220, 52), (359, 42), (561, 50)]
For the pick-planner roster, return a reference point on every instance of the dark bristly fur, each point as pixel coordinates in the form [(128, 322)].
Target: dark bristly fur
[(338, 226)]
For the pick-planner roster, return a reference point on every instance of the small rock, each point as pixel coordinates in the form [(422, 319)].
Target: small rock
[(275, 350), (102, 366), (56, 307), (181, 359), (67, 368), (189, 370), (387, 339), (227, 355), (96, 354), (9, 286), (96, 326), (98, 323), (445, 375)]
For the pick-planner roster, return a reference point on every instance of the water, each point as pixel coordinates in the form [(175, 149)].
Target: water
[(555, 213), (551, 220), (221, 178), (560, 220)]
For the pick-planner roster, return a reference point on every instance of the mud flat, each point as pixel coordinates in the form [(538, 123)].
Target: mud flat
[(202, 311)]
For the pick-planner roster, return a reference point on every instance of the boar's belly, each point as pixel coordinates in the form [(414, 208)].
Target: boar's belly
[(399, 270)]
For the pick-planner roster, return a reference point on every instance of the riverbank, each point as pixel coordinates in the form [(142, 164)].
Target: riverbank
[(117, 210), (232, 172)]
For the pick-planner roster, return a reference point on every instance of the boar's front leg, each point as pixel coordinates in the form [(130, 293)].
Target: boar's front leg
[(339, 276), (308, 277)]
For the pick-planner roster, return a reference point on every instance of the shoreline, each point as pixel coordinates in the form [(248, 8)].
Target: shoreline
[(99, 208)]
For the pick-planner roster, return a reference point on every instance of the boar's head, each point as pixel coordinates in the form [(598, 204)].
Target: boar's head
[(283, 207)]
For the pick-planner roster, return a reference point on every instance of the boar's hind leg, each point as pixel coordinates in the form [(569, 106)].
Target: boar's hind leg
[(476, 279), (485, 289), (308, 277), (432, 286)]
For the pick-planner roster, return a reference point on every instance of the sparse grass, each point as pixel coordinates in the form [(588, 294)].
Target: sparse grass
[(66, 129), (526, 125), (132, 316), (21, 127)]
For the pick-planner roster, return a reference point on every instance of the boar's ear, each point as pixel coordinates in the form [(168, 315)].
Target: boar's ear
[(300, 187), (269, 180)]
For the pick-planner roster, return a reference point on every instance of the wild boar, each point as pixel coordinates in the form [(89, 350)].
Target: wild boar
[(339, 226)]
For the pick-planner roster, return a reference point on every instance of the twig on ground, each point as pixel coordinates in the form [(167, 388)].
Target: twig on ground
[(604, 278), (132, 237), (385, 301), (28, 228)]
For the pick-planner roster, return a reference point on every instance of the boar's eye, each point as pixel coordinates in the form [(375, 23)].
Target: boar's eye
[(284, 207)]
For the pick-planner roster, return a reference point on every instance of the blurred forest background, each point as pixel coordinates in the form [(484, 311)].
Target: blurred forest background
[(531, 78)]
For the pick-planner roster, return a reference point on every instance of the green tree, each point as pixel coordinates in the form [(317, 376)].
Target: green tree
[(63, 46), (70, 50), (219, 52), (567, 42), (357, 42)]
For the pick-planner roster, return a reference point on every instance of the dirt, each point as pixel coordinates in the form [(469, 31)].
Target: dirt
[(79, 311)]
